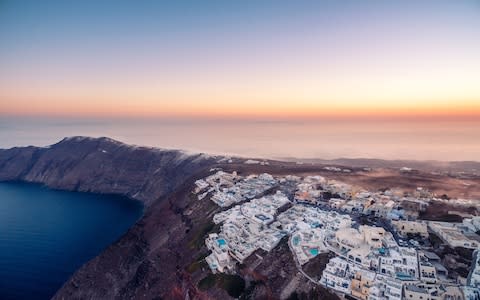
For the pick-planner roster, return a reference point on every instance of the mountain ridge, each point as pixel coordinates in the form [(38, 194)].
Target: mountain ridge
[(101, 165)]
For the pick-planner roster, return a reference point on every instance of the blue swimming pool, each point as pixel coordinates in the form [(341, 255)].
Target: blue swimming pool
[(296, 240)]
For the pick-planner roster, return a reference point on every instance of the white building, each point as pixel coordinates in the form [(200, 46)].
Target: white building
[(338, 275), (405, 228), (450, 233)]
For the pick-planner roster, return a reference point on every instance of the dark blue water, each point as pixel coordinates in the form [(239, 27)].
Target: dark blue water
[(45, 235)]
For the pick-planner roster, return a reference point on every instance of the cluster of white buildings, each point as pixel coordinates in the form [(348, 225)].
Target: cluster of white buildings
[(228, 189), (245, 228), (472, 290), (310, 189), (406, 228), (336, 169), (308, 228), (472, 224), (455, 234), (256, 225), (369, 263), (389, 204)]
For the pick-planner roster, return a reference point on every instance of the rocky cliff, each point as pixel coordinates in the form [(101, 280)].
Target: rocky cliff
[(102, 165), (161, 256)]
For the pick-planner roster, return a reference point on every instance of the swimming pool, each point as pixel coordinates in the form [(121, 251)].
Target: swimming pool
[(296, 240)]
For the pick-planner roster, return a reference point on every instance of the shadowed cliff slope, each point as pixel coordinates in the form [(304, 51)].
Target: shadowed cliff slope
[(102, 165)]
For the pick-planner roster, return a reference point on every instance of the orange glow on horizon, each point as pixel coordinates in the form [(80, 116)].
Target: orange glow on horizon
[(249, 61), (265, 96), (270, 110)]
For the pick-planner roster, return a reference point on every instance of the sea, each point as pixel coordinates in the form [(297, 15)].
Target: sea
[(446, 140), (45, 235)]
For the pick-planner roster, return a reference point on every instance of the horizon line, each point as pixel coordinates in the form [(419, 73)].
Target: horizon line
[(427, 116)]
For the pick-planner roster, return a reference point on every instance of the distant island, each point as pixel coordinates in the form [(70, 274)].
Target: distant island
[(232, 227)]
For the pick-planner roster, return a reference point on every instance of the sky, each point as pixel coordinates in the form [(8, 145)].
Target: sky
[(256, 59)]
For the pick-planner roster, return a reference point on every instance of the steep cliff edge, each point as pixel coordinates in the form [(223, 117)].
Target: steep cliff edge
[(161, 256), (102, 165)]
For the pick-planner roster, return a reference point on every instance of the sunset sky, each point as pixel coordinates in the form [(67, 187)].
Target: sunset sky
[(240, 58)]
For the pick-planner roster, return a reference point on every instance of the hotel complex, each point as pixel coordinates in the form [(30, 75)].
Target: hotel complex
[(383, 260)]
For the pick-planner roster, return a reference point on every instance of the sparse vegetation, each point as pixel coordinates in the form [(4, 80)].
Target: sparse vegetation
[(207, 282), (198, 239), (248, 293), (315, 293), (234, 285), (197, 264)]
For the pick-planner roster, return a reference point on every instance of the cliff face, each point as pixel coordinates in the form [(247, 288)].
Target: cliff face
[(102, 165), (144, 258)]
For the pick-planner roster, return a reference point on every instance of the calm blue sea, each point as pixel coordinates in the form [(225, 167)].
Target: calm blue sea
[(45, 235)]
